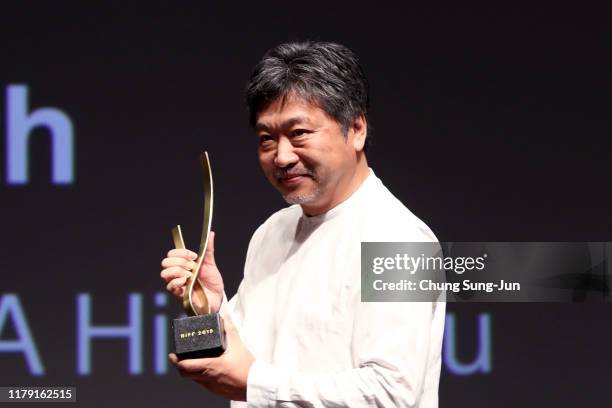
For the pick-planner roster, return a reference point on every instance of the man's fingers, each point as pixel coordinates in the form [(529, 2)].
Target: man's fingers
[(182, 253), (184, 373), (178, 292), (176, 261), (195, 365), (174, 272), (175, 284), (191, 365)]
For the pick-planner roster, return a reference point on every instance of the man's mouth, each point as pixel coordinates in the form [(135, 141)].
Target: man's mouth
[(292, 177)]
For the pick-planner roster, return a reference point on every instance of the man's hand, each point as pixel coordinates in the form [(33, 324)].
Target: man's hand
[(225, 375), (178, 266)]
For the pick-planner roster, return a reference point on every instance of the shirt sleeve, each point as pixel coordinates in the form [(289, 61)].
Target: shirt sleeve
[(391, 346)]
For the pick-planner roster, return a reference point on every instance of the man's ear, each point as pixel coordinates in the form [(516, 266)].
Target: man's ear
[(359, 129)]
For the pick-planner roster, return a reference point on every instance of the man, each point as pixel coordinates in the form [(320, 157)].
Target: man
[(298, 334)]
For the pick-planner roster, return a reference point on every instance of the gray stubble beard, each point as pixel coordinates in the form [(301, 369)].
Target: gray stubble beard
[(302, 198)]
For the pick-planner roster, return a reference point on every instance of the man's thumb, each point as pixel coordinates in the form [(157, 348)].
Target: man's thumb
[(209, 255)]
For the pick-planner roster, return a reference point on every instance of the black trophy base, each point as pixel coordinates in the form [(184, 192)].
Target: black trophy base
[(199, 336)]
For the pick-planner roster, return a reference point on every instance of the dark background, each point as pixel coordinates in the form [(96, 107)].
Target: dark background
[(489, 124)]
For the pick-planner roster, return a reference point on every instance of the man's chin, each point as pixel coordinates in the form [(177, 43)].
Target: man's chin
[(299, 197)]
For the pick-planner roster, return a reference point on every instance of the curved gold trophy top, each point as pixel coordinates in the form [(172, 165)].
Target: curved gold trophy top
[(195, 301)]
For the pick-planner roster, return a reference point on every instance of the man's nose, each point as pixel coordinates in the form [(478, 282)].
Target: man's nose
[(285, 155)]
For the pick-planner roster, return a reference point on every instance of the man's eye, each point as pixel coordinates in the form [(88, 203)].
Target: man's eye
[(299, 132), (266, 142)]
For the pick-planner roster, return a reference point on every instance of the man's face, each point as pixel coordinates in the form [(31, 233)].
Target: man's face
[(305, 154)]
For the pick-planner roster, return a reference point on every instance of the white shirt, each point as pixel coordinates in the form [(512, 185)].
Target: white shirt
[(298, 311)]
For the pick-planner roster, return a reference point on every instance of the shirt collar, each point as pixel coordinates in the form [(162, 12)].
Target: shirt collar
[(345, 206)]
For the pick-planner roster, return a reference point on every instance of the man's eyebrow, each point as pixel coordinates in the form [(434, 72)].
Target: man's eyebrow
[(296, 120)]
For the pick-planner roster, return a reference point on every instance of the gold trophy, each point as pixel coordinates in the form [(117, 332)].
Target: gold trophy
[(200, 334)]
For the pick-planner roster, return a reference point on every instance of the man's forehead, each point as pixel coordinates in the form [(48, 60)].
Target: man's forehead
[(288, 121), (286, 112)]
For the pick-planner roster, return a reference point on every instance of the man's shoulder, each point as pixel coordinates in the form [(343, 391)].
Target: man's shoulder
[(279, 221), (388, 219), (287, 215)]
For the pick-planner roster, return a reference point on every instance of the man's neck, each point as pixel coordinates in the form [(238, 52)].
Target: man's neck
[(353, 183)]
